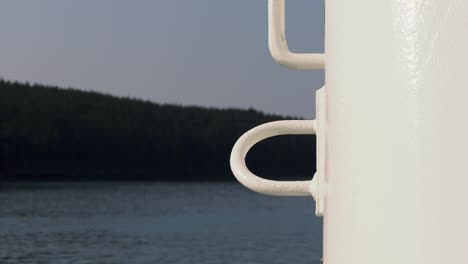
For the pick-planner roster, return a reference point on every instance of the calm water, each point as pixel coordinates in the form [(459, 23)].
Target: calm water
[(154, 223)]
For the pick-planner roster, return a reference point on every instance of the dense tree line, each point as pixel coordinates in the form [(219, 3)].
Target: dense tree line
[(66, 134)]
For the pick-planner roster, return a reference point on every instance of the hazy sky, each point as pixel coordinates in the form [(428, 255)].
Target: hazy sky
[(205, 52)]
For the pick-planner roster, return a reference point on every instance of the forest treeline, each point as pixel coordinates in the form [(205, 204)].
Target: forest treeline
[(49, 133)]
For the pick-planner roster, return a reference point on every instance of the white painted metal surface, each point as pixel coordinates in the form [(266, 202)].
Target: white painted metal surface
[(278, 45), (242, 146), (278, 128), (392, 180)]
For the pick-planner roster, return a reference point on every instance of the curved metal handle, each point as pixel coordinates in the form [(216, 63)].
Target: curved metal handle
[(279, 47), (270, 187)]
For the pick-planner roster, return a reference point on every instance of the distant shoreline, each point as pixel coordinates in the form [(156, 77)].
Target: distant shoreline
[(132, 178), (72, 176), (48, 133)]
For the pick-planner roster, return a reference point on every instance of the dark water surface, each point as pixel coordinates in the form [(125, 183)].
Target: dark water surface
[(154, 223)]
